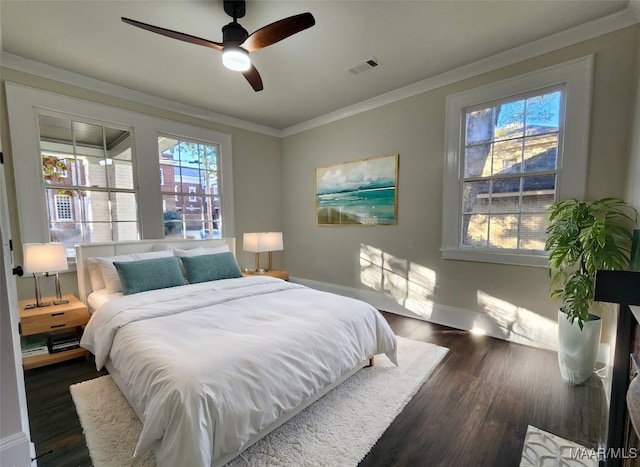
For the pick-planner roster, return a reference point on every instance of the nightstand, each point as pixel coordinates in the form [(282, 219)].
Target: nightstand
[(284, 275), (50, 320)]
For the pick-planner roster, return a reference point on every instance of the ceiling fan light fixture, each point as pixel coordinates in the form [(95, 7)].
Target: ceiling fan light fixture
[(236, 58)]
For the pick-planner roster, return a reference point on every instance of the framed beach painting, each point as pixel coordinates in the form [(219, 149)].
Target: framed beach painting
[(362, 192)]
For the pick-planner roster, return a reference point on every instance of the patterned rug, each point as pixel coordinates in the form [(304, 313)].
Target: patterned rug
[(542, 449), (338, 429)]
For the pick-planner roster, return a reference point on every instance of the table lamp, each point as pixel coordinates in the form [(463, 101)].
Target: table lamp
[(45, 258), (262, 241)]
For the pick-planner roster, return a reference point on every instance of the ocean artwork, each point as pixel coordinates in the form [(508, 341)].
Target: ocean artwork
[(363, 192)]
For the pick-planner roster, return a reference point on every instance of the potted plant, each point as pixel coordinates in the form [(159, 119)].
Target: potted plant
[(583, 237)]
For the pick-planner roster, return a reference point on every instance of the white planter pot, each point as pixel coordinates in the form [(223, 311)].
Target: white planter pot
[(578, 349)]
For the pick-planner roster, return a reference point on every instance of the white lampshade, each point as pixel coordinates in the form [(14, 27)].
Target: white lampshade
[(44, 257), (262, 241), (272, 241), (236, 59)]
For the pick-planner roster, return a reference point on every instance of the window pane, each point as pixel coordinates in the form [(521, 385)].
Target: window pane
[(537, 185), (172, 209), (507, 156), (65, 232), (190, 186), (540, 153), (98, 231), (510, 122), (63, 208), (477, 160), (125, 231), (506, 188), (77, 158), (56, 168), (533, 231), (503, 231), (543, 113), (123, 207), (476, 197), (119, 174), (475, 230), (505, 202), (480, 125)]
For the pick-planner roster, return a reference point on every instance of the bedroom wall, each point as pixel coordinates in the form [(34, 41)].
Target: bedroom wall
[(506, 301), (256, 172)]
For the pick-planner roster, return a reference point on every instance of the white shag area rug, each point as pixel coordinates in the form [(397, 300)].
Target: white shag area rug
[(337, 430), (543, 449)]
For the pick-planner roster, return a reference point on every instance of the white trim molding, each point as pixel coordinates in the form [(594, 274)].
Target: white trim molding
[(622, 19), (26, 65), (475, 322), (25, 104), (454, 317), (576, 77), (586, 31), (16, 450)]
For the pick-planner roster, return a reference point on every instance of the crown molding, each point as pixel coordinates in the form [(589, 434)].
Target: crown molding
[(625, 18), (43, 70), (620, 20)]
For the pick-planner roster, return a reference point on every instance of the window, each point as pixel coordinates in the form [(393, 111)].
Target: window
[(510, 158), (190, 192), (109, 171), (88, 175), (513, 148), (63, 208)]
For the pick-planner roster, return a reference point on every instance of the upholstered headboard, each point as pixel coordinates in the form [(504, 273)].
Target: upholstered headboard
[(93, 250)]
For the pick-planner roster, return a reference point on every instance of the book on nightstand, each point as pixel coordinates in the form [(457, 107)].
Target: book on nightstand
[(32, 346), (62, 342)]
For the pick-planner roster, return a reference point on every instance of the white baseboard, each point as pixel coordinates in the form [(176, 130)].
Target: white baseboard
[(15, 450), (458, 318)]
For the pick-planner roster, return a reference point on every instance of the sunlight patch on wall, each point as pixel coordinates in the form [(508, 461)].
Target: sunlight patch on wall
[(518, 324), (409, 284)]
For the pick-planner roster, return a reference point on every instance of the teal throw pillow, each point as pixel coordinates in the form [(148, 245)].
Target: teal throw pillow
[(149, 274), (205, 268)]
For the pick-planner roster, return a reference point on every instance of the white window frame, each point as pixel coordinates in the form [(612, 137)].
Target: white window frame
[(576, 76), (25, 103)]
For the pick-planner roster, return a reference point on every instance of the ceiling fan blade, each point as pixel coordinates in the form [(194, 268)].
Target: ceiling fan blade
[(275, 32), (174, 34), (254, 78)]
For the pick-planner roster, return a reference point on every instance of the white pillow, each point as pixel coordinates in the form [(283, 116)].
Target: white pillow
[(202, 251), (110, 274), (193, 252), (95, 275), (215, 250)]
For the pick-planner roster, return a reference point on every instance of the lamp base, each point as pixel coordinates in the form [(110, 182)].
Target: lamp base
[(60, 301), (31, 306)]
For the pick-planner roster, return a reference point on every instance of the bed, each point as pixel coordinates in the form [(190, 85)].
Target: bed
[(215, 362)]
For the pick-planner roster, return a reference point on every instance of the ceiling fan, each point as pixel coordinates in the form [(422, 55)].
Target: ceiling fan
[(237, 43)]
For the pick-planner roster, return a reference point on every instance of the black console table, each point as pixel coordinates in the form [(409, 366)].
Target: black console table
[(621, 287)]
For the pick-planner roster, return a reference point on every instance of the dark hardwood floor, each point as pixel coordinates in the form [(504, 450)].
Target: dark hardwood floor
[(473, 411)]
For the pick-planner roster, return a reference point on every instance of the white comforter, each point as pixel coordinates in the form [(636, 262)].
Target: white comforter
[(209, 366)]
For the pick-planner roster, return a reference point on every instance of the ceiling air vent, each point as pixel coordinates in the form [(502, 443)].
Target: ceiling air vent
[(364, 66)]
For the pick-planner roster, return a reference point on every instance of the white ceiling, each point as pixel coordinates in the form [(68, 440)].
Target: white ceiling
[(305, 75)]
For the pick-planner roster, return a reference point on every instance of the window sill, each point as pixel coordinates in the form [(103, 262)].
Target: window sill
[(486, 256)]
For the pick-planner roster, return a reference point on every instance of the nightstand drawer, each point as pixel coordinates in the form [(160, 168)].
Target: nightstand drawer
[(53, 320)]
